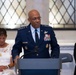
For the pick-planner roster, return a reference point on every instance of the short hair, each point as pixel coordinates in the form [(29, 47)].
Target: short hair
[(3, 32)]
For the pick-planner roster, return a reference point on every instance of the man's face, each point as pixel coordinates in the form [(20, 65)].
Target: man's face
[(35, 19)]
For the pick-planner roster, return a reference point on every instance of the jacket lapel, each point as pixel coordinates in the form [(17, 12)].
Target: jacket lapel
[(29, 35), (41, 35)]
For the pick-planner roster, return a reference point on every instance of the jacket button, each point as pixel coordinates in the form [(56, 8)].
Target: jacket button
[(37, 54)]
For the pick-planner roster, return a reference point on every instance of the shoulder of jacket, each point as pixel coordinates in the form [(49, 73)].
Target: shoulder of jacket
[(21, 28)]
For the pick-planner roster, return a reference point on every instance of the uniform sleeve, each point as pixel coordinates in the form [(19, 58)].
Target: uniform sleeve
[(54, 46), (17, 48)]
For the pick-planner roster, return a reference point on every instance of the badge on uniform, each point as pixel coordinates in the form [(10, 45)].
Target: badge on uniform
[(47, 37), (45, 32), (47, 45), (26, 47), (25, 42)]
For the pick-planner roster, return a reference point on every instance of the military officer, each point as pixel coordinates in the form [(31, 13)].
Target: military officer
[(35, 46)]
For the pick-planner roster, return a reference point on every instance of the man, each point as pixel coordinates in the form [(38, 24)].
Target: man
[(35, 48)]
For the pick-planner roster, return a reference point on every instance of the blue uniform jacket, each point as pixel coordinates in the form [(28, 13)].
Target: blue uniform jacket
[(25, 40)]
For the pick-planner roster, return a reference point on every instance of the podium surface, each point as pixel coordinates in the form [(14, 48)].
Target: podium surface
[(39, 66)]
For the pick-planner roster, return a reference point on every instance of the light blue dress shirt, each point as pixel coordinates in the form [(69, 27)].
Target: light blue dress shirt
[(33, 32)]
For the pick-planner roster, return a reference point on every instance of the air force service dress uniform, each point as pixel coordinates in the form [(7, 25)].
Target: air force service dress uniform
[(25, 40)]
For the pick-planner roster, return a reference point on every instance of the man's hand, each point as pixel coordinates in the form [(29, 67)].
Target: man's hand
[(16, 58)]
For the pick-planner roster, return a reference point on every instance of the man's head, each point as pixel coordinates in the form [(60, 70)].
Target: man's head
[(34, 18)]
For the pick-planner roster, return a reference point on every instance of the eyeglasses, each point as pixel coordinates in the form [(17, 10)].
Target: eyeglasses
[(35, 18)]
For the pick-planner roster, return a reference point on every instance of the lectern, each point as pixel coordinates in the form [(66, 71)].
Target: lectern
[(39, 66)]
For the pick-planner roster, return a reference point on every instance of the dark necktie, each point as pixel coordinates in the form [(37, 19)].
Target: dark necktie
[(36, 36)]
